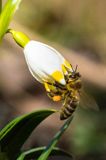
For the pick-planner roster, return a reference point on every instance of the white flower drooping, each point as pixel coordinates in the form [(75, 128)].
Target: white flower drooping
[(49, 67), (45, 63)]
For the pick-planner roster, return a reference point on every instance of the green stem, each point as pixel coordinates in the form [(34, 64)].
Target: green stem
[(55, 140), (0, 6), (6, 15)]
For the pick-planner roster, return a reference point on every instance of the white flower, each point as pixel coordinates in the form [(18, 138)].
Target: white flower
[(45, 63)]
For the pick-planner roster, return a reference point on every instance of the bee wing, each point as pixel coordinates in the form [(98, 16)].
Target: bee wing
[(87, 101)]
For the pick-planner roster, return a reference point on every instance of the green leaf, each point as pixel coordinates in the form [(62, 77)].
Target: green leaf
[(35, 153), (7, 13), (54, 141), (13, 136)]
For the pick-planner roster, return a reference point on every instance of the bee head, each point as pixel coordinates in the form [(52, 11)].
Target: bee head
[(74, 81), (75, 75)]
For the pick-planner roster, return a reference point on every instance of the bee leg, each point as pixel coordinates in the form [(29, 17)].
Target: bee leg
[(47, 86), (51, 93), (54, 97), (48, 90)]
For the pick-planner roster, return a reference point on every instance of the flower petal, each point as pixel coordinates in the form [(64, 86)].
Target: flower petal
[(44, 62)]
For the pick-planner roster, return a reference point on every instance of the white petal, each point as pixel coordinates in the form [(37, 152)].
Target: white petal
[(43, 61)]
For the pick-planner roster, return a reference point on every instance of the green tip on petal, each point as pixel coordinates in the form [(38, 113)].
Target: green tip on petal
[(20, 38)]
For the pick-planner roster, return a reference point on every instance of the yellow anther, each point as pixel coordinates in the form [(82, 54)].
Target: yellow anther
[(67, 64)]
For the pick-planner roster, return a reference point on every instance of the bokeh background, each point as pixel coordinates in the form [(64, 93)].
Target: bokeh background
[(76, 28)]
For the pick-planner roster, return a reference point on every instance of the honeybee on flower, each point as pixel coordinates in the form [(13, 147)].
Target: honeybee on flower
[(61, 81), (49, 67)]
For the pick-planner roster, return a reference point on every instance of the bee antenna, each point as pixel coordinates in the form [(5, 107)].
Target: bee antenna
[(76, 68)]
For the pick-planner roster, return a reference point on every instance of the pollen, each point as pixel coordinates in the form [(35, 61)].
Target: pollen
[(56, 98), (58, 76)]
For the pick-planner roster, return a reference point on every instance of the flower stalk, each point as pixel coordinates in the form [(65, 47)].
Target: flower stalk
[(0, 6), (20, 38)]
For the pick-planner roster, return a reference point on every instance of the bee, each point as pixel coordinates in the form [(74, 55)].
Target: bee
[(72, 96), (69, 94)]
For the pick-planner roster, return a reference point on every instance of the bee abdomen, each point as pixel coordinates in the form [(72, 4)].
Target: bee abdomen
[(67, 111)]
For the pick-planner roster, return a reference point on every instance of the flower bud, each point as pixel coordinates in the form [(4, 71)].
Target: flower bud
[(45, 63)]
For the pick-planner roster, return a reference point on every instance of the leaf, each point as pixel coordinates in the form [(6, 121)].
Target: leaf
[(54, 141), (7, 13), (34, 153), (13, 136)]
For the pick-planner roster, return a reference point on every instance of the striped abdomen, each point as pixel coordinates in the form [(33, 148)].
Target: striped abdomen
[(68, 107)]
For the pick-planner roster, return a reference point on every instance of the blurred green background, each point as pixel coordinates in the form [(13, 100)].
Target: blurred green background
[(76, 28)]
